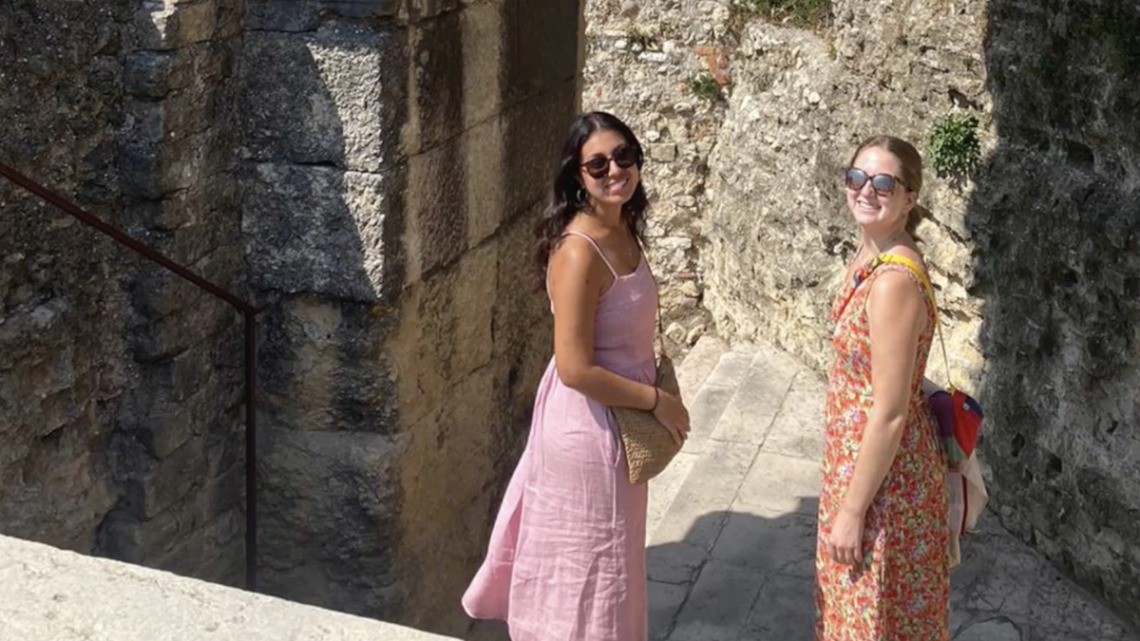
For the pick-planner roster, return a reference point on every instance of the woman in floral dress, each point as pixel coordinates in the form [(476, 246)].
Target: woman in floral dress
[(882, 565)]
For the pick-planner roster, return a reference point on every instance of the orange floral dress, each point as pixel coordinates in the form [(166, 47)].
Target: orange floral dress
[(902, 592)]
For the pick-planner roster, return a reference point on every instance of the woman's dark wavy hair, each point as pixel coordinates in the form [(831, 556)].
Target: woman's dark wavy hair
[(568, 194)]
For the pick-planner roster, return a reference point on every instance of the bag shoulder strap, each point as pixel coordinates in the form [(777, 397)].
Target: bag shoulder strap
[(922, 277)]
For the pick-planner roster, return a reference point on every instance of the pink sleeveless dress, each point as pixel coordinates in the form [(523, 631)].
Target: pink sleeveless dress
[(566, 560)]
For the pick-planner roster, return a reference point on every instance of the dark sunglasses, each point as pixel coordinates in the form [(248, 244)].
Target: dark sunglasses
[(599, 166), (881, 183)]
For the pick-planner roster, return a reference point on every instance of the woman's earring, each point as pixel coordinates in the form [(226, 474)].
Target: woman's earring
[(581, 194)]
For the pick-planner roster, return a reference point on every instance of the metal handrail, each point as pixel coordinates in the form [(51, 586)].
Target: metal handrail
[(249, 316)]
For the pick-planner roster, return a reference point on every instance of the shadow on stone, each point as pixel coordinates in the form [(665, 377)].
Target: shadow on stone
[(752, 579), (1055, 225)]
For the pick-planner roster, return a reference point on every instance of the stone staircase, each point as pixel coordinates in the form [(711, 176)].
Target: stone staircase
[(732, 523)]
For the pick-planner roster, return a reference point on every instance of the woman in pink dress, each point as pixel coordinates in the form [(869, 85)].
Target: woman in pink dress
[(566, 560)]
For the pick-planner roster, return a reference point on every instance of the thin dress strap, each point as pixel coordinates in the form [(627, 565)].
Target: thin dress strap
[(597, 248)]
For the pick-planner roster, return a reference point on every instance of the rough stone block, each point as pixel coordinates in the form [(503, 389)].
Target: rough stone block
[(534, 132), (484, 35), (437, 99), (436, 232), (332, 97), (548, 36), (474, 296), (462, 435), (321, 230), (171, 26), (324, 368), (329, 504), (307, 15), (214, 546), (286, 16), (153, 491), (425, 9), (140, 149), (146, 74), (52, 590), (126, 537), (486, 182)]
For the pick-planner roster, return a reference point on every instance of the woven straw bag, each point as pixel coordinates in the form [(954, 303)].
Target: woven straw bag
[(648, 446)]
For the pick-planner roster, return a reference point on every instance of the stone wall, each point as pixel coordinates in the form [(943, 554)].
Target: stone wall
[(368, 170), (1055, 223), (639, 61), (119, 383), (63, 355), (394, 162), (178, 452), (1034, 254)]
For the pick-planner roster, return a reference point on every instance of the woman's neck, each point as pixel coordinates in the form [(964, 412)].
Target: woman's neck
[(608, 218), (878, 242)]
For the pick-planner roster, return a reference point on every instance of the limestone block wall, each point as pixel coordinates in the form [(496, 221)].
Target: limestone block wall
[(1034, 253), (394, 162), (640, 58), (178, 450), (368, 170), (63, 358), (118, 383)]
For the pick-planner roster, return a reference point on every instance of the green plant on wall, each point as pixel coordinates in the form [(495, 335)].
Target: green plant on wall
[(802, 13), (705, 87), (953, 148)]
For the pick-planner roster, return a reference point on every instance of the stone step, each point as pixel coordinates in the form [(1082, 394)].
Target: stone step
[(740, 406), (758, 398), (709, 376)]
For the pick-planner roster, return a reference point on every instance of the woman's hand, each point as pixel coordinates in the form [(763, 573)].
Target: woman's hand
[(846, 541), (671, 412)]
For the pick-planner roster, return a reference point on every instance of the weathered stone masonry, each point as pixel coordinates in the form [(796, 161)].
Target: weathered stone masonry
[(120, 389), (368, 169)]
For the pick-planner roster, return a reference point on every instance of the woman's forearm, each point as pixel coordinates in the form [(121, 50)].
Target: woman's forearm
[(877, 451), (609, 388)]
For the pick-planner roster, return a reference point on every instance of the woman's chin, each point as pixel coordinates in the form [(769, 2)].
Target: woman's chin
[(872, 223), (615, 200)]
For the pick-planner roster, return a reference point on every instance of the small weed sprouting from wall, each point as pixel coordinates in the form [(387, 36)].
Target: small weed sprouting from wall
[(705, 87), (801, 13), (641, 41), (953, 148)]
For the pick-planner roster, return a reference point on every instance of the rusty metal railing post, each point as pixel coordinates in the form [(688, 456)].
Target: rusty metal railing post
[(249, 318)]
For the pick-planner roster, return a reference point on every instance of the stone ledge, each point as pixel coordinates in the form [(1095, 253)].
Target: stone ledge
[(50, 594)]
